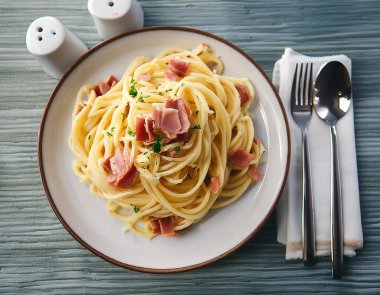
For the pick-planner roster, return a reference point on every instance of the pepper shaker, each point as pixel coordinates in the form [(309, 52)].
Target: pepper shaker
[(113, 17)]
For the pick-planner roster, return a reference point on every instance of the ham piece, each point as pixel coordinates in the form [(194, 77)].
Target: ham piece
[(167, 226), (215, 184), (170, 122), (240, 157), (121, 169), (97, 90), (254, 173), (155, 226), (243, 92), (144, 129), (149, 128), (105, 86), (164, 226), (157, 118), (179, 66), (173, 119), (141, 133), (183, 113), (111, 81)]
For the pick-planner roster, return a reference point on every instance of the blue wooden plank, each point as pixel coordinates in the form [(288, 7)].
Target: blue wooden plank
[(38, 256)]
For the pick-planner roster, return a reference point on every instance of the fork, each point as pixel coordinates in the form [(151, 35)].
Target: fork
[(301, 108)]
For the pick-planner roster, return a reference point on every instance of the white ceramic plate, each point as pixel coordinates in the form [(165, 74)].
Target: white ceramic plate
[(86, 217)]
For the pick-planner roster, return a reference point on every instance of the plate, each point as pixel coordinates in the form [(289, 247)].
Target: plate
[(85, 216)]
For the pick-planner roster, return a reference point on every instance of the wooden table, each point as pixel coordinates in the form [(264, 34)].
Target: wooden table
[(38, 256)]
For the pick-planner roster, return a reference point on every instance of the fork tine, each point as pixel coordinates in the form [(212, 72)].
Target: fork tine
[(310, 92), (293, 95), (304, 97), (299, 99)]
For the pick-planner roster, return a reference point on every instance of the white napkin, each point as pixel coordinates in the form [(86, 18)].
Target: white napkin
[(289, 209)]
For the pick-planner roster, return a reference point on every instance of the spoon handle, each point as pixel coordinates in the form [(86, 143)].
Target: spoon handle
[(308, 232), (336, 210)]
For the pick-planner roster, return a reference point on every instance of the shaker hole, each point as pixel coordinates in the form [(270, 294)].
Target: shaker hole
[(53, 32), (39, 29), (110, 4), (39, 38)]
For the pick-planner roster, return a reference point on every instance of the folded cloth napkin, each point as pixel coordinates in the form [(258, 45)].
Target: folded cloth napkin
[(290, 207)]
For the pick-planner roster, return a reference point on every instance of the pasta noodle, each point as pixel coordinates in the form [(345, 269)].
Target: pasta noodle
[(170, 179)]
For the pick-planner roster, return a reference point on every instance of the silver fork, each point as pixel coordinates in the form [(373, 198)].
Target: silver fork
[(301, 107)]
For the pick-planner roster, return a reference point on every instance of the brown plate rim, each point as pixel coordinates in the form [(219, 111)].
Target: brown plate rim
[(41, 166)]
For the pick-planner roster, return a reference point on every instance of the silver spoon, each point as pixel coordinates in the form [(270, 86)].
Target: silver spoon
[(332, 101)]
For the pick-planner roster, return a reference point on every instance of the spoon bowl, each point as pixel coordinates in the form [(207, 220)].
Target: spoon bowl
[(332, 92)]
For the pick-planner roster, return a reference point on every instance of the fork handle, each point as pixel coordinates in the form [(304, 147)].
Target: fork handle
[(308, 232), (336, 210)]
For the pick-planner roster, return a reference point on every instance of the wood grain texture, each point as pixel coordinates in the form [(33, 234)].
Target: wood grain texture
[(37, 256)]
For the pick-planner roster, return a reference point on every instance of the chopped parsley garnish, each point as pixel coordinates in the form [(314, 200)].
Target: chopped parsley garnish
[(147, 167), (89, 137), (160, 93), (197, 126), (124, 115), (156, 147), (132, 89), (196, 112), (177, 148), (135, 209), (110, 133), (131, 133), (182, 84), (167, 90), (140, 99)]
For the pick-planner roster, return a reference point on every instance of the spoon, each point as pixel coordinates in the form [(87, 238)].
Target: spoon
[(332, 99)]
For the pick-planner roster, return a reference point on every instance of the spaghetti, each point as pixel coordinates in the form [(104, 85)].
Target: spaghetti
[(168, 142)]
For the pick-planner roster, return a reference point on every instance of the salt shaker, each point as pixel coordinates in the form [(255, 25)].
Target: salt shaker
[(55, 47), (113, 17)]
